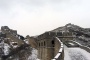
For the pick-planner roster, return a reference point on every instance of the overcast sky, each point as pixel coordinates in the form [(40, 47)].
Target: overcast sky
[(33, 17)]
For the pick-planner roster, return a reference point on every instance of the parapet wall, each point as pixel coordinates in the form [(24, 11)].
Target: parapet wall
[(82, 47), (50, 46), (85, 48), (59, 50)]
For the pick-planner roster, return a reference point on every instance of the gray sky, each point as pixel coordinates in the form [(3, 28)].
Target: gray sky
[(33, 17)]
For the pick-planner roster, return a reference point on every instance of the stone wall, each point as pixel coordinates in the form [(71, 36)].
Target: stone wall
[(12, 35), (85, 48), (45, 49), (59, 50), (32, 41), (14, 39), (82, 46), (49, 46)]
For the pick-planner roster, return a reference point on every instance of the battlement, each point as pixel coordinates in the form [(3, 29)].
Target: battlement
[(12, 35), (7, 30), (48, 45)]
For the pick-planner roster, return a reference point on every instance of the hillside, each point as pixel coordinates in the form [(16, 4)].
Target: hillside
[(13, 45), (82, 34), (73, 28)]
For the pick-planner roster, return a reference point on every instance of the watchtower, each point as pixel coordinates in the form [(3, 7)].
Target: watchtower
[(46, 46)]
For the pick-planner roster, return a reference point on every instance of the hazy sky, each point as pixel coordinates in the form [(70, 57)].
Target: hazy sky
[(33, 17)]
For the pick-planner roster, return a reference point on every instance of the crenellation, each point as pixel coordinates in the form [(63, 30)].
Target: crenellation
[(48, 46)]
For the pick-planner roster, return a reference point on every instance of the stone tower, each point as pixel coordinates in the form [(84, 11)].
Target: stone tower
[(46, 46)]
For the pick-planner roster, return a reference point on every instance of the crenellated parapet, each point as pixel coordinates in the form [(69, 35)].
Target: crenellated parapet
[(12, 35), (7, 30), (31, 41), (50, 45)]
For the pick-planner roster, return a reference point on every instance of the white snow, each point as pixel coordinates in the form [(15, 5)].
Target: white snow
[(57, 55), (71, 43), (14, 44), (34, 55), (26, 41), (6, 49), (69, 26), (66, 54), (76, 54), (81, 44), (60, 50)]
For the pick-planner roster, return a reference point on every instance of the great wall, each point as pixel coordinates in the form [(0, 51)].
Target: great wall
[(50, 45)]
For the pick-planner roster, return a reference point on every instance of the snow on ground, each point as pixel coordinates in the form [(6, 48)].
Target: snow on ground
[(66, 54), (6, 49), (76, 54), (26, 41), (34, 55)]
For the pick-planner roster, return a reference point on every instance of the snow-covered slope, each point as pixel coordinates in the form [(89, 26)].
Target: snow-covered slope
[(68, 27), (76, 54), (34, 55)]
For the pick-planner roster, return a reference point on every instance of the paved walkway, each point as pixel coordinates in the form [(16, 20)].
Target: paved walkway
[(76, 54)]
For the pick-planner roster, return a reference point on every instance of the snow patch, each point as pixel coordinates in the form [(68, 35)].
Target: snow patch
[(66, 53), (34, 55), (76, 54), (26, 41), (6, 49)]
